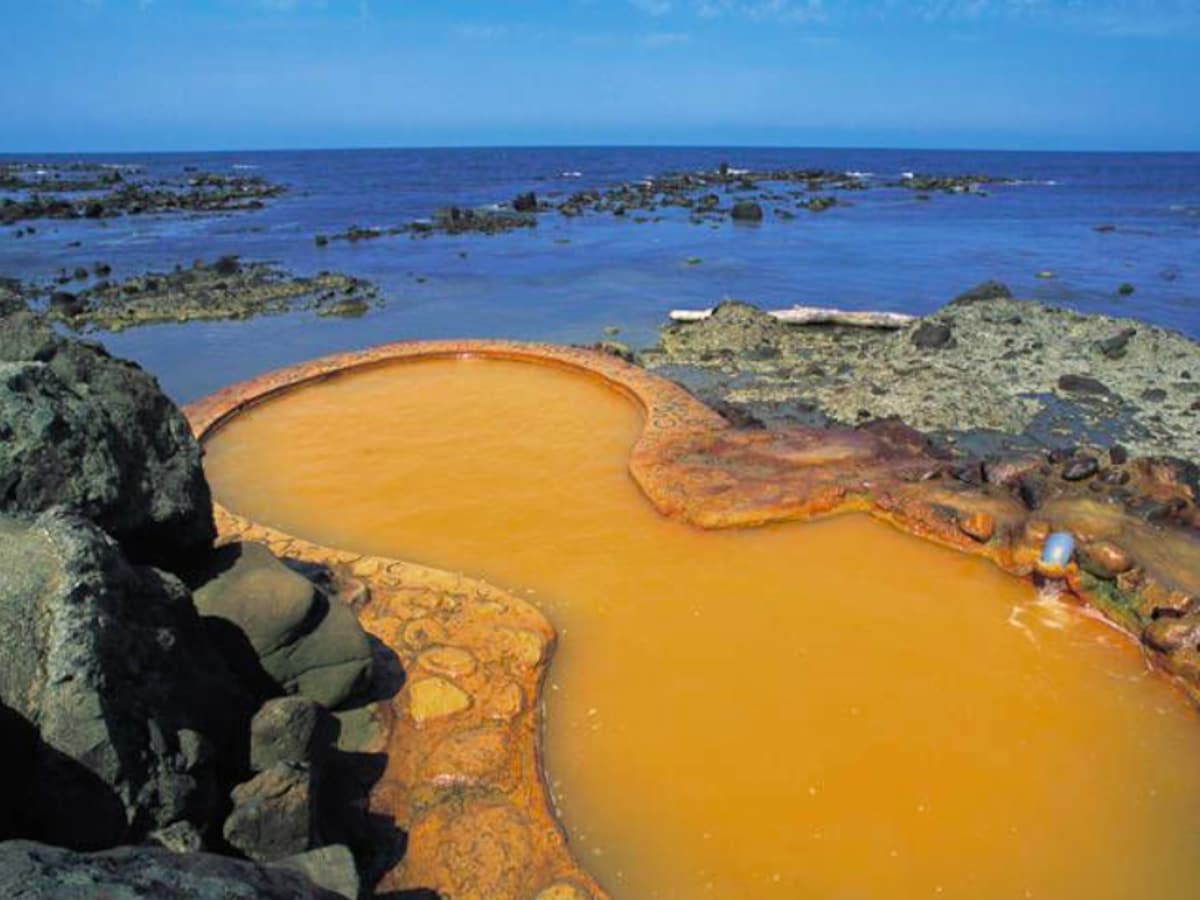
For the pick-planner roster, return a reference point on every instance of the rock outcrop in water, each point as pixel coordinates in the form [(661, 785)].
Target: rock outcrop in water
[(748, 195), (987, 373), (126, 709), (90, 191), (225, 289)]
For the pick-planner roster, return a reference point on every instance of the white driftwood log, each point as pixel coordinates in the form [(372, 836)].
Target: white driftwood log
[(813, 315)]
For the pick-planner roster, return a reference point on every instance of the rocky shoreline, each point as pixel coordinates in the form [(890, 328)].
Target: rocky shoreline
[(180, 718), (986, 374), (95, 191), (224, 289)]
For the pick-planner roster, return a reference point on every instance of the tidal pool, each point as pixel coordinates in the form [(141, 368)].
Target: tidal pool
[(826, 710)]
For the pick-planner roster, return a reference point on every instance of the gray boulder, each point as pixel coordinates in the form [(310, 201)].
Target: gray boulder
[(274, 813), (81, 429), (329, 867), (117, 706), (308, 643), (32, 871), (291, 730)]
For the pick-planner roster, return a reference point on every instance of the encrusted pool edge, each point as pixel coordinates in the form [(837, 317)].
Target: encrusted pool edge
[(464, 775)]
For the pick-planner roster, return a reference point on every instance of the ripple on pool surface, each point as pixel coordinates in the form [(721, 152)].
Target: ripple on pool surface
[(827, 710)]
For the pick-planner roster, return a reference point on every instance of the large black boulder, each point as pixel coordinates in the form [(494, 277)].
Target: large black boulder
[(123, 718), (82, 429)]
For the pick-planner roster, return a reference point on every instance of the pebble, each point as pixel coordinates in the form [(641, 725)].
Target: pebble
[(979, 525), (1105, 559), (1080, 468)]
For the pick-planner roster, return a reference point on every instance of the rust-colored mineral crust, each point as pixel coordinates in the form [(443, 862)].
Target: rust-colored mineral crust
[(464, 776)]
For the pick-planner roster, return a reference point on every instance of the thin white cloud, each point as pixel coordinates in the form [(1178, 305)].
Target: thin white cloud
[(794, 12), (474, 31), (652, 7), (656, 39), (1126, 18)]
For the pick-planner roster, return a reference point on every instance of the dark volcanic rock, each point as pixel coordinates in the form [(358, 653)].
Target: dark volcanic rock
[(456, 220), (1082, 384), (291, 730), (526, 202), (1116, 346), (67, 304), (274, 813), (31, 871), (330, 867), (129, 194), (81, 429), (746, 211), (125, 704), (931, 335), (1080, 468), (308, 643), (987, 290), (11, 299)]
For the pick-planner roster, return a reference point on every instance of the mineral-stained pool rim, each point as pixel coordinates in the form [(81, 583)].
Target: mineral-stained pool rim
[(840, 470)]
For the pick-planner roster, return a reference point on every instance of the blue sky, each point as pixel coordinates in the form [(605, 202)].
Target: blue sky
[(242, 74)]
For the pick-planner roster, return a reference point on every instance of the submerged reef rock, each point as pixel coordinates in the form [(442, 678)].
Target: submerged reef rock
[(82, 429), (987, 373), (124, 703), (33, 871), (307, 642), (455, 220), (226, 289), (754, 193)]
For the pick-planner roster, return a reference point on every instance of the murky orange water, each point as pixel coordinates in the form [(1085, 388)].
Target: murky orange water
[(830, 710)]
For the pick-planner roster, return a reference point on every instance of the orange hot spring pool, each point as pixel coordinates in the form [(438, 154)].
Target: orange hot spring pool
[(829, 709)]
